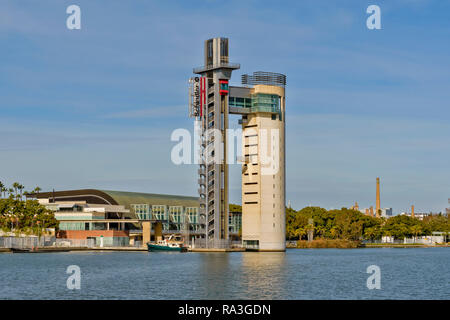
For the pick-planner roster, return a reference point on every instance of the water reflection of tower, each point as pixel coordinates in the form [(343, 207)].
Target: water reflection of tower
[(263, 276), (217, 276)]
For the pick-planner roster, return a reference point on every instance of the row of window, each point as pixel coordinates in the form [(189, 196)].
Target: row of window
[(162, 212)]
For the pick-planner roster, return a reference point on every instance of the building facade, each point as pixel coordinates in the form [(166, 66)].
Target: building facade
[(105, 224), (91, 213), (261, 103)]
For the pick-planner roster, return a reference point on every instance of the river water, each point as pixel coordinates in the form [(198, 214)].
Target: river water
[(410, 273)]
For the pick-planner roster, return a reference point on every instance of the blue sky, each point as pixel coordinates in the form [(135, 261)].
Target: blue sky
[(95, 107)]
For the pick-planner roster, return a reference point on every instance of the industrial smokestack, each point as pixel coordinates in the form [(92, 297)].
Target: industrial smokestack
[(371, 211), (378, 207), (412, 211)]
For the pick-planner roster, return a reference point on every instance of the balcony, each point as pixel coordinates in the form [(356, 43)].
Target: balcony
[(222, 65)]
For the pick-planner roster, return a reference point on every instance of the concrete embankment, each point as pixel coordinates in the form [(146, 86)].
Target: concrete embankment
[(216, 250), (109, 249), (68, 249)]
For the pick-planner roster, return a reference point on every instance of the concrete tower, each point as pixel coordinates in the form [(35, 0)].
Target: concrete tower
[(209, 105), (262, 106), (261, 103)]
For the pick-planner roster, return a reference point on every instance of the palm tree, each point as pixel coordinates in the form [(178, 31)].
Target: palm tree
[(21, 187), (16, 187), (416, 229), (2, 186), (300, 232), (37, 190), (4, 190)]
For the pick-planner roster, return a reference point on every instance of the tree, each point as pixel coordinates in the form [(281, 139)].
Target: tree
[(232, 207), (38, 189), (416, 229), (20, 188), (16, 187), (2, 187), (24, 216)]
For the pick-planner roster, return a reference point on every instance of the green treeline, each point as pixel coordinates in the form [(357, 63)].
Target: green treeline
[(352, 225), (235, 208), (23, 216)]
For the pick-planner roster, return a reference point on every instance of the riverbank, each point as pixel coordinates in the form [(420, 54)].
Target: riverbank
[(403, 245), (117, 249), (326, 243), (303, 244), (69, 249), (348, 244)]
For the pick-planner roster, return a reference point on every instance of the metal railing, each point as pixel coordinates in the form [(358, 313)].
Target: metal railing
[(216, 244), (21, 242), (216, 66), (52, 242), (75, 243)]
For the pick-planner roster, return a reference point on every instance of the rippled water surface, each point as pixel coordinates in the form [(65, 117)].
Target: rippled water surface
[(412, 273)]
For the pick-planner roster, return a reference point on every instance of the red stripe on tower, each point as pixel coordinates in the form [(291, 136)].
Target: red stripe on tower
[(204, 90), (202, 94)]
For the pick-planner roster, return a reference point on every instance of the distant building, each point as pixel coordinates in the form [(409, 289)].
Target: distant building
[(417, 215), (235, 224), (385, 212)]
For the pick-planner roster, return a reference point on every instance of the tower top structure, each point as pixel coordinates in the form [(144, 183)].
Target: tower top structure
[(217, 57)]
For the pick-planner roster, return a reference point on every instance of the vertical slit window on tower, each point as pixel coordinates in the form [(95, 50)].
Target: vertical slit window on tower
[(224, 48)]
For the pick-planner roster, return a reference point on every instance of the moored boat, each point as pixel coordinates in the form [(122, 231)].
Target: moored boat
[(171, 244)]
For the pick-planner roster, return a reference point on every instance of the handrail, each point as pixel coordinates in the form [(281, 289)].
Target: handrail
[(217, 66)]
